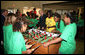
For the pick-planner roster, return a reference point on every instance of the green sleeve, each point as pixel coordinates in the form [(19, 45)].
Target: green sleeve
[(66, 34), (30, 23)]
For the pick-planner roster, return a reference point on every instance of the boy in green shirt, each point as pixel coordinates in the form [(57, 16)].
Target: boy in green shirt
[(67, 38)]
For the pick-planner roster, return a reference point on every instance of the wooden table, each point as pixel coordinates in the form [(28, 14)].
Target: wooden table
[(51, 49)]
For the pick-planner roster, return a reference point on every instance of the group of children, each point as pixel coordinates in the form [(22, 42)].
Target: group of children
[(13, 28), (14, 42)]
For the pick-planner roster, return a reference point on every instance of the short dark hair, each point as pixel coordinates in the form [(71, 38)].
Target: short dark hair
[(3, 10), (57, 15), (50, 12), (34, 8), (17, 26), (71, 16)]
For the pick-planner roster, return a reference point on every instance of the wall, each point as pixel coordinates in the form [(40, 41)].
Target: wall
[(38, 4), (47, 7), (21, 4)]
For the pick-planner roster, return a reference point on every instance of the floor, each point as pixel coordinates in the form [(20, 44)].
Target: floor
[(80, 45)]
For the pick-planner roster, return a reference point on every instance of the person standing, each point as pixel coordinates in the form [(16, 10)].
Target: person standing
[(4, 13), (17, 42), (50, 23), (42, 19), (67, 38), (8, 30)]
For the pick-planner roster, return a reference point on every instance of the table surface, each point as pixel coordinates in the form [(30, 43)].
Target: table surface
[(51, 49)]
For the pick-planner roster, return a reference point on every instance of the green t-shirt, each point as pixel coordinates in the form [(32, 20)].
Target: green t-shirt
[(31, 25), (35, 21), (68, 46), (17, 43), (62, 26), (7, 30)]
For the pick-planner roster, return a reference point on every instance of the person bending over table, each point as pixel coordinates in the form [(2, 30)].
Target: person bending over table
[(17, 42), (42, 19), (67, 38)]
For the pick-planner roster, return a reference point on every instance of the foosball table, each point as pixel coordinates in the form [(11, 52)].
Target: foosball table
[(35, 39)]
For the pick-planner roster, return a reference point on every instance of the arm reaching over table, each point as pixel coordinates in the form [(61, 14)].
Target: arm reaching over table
[(53, 41), (56, 31)]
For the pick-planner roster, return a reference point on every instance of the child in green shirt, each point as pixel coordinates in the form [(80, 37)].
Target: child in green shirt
[(67, 38), (8, 30), (16, 42)]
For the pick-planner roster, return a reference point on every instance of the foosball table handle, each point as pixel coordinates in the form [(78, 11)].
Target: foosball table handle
[(36, 48)]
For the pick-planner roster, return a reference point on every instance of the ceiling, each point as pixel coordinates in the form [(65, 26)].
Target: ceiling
[(67, 3), (47, 2), (21, 4)]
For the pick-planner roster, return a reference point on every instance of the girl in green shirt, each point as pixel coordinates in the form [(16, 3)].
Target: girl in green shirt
[(67, 38), (7, 30), (16, 42), (59, 23)]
